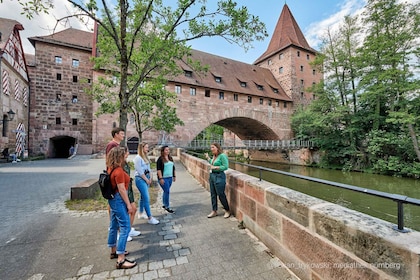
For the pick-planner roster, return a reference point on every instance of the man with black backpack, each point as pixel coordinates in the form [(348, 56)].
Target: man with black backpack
[(118, 135)]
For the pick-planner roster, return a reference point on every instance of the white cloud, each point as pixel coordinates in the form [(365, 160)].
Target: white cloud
[(42, 24), (318, 29)]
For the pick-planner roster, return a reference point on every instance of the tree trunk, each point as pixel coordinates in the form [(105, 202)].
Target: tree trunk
[(414, 139)]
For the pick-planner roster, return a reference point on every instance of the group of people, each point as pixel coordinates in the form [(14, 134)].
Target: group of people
[(122, 209)]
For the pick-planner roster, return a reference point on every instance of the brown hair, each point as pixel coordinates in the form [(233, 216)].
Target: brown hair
[(162, 150), (116, 130), (141, 153), (219, 148), (115, 157)]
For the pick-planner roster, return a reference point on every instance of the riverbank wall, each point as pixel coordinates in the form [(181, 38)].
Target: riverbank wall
[(314, 238)]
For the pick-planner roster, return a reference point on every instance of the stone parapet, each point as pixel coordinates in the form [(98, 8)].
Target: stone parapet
[(314, 238)]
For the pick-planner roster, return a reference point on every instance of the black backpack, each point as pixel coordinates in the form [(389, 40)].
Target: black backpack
[(105, 185)]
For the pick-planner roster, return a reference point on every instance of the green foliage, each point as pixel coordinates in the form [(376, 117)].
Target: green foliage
[(366, 115)]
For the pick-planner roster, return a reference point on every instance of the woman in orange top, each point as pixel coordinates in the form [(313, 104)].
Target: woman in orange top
[(120, 207)]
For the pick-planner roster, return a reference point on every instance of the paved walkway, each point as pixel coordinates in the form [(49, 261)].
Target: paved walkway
[(185, 245)]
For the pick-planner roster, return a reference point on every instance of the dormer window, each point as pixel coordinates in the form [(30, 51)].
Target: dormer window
[(243, 84), (218, 79), (260, 87), (275, 90), (188, 73)]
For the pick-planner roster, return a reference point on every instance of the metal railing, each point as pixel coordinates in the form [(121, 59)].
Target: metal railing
[(249, 144), (400, 199)]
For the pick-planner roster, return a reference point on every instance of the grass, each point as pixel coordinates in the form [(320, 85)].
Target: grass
[(99, 203)]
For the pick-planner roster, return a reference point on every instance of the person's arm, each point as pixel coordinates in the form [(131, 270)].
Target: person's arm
[(173, 173), (120, 180), (159, 167)]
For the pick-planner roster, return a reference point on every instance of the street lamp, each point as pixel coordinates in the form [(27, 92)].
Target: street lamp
[(10, 116)]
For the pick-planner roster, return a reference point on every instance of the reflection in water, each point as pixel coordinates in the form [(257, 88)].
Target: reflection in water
[(375, 206)]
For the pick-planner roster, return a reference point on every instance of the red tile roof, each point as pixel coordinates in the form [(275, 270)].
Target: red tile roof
[(70, 37), (232, 73), (6, 28), (286, 33)]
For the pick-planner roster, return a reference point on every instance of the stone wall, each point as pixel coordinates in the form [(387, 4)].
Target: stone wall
[(314, 238)]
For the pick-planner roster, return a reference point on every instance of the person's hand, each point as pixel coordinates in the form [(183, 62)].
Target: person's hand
[(174, 179), (130, 209), (206, 155)]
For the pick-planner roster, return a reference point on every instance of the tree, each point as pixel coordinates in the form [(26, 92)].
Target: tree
[(139, 41)]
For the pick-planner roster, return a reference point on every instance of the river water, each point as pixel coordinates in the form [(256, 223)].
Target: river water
[(378, 207)]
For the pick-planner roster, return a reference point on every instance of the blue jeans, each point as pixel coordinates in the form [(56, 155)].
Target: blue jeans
[(144, 201), (167, 183), (217, 189), (120, 219)]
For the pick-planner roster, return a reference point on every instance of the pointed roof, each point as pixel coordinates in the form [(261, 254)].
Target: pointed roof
[(286, 33), (7, 26), (70, 37)]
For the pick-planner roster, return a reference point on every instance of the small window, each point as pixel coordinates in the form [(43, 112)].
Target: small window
[(192, 91), (298, 53), (188, 73), (58, 76), (313, 72), (74, 99), (58, 97), (221, 95), (261, 101), (277, 103), (284, 104), (260, 87), (75, 63), (58, 60), (243, 84), (249, 99), (302, 94), (301, 68), (207, 93), (269, 102), (74, 121), (89, 81), (281, 56), (275, 90), (308, 57), (302, 82), (218, 79), (74, 79), (281, 70), (178, 89), (269, 62), (58, 120), (235, 97)]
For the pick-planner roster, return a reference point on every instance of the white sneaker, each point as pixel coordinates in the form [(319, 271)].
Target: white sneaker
[(129, 238), (142, 216), (153, 221), (134, 232)]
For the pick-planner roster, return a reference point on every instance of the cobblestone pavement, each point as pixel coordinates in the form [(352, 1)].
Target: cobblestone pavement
[(185, 245)]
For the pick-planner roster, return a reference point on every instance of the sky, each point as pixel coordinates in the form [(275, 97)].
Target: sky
[(312, 16)]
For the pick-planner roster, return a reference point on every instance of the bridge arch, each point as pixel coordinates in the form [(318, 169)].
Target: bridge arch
[(248, 123)]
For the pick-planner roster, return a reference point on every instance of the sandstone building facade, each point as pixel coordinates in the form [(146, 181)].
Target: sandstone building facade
[(253, 101)]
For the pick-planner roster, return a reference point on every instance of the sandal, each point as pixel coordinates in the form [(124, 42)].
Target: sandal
[(115, 255), (125, 264)]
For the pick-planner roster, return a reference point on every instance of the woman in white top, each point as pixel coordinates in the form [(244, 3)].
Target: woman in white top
[(143, 181)]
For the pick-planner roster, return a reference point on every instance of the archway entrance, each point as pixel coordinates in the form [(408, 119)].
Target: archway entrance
[(60, 146), (132, 144)]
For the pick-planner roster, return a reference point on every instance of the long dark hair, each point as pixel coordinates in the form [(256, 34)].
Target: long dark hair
[(219, 148), (162, 150)]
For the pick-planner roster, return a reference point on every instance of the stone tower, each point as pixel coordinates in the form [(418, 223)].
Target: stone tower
[(288, 56)]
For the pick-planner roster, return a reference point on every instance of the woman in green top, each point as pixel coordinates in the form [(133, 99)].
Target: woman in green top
[(218, 164)]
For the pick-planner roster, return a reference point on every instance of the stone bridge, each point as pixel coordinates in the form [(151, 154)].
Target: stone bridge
[(248, 121)]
